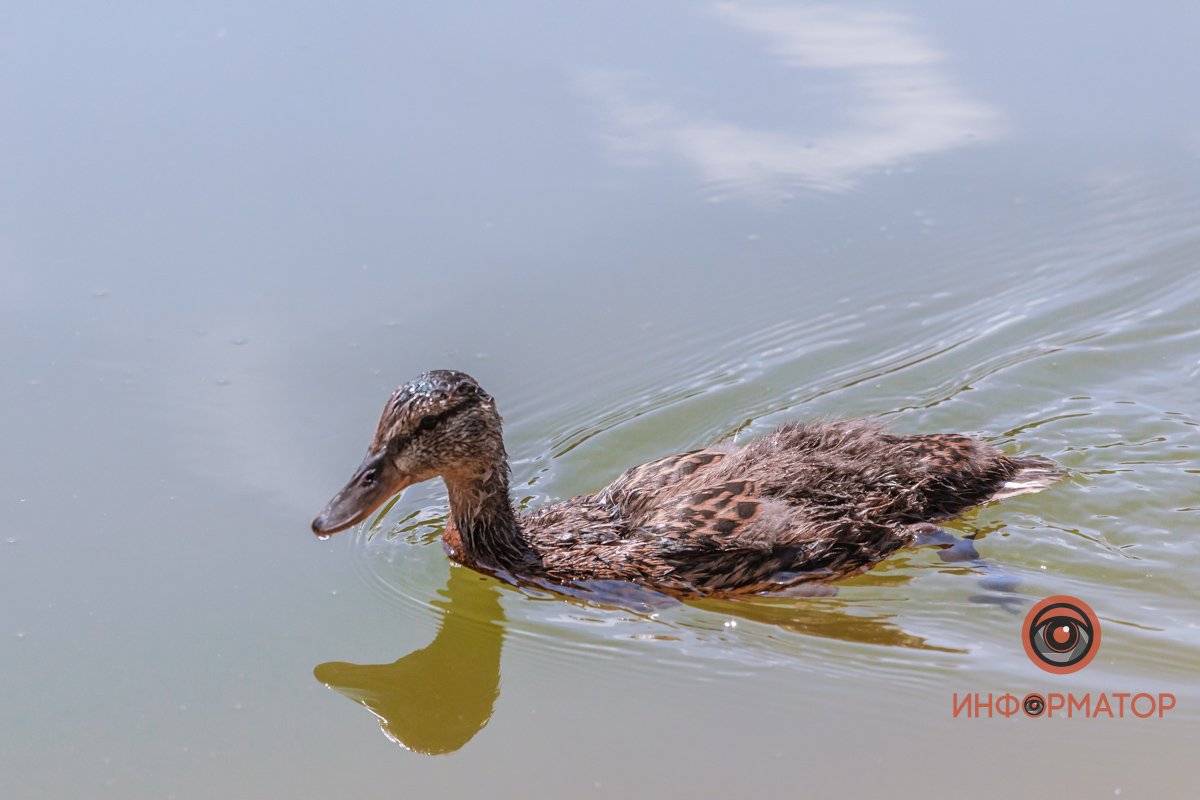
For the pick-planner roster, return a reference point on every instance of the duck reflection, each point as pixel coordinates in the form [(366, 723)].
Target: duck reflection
[(807, 609), (436, 699), (828, 619)]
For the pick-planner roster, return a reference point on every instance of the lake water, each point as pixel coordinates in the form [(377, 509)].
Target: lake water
[(226, 234)]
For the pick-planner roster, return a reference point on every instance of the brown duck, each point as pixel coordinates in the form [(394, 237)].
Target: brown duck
[(810, 502)]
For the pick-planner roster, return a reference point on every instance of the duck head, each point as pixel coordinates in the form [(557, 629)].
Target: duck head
[(439, 423)]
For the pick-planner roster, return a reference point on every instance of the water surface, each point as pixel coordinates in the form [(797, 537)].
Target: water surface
[(227, 234)]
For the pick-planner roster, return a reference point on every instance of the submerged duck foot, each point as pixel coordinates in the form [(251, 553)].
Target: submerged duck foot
[(951, 549)]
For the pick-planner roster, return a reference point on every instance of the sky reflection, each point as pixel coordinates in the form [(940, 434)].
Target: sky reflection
[(898, 100)]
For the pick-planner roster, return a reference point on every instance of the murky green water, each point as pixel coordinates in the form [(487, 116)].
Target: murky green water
[(226, 235)]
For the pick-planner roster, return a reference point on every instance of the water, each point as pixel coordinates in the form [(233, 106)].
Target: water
[(228, 233)]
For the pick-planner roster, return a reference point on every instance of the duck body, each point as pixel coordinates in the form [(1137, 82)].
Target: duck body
[(809, 502)]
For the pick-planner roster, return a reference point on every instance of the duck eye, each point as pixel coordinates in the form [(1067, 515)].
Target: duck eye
[(427, 423), (371, 476)]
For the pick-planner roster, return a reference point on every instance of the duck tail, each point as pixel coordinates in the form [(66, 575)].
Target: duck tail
[(1030, 474)]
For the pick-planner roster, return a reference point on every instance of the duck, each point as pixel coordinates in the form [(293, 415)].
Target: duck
[(810, 503)]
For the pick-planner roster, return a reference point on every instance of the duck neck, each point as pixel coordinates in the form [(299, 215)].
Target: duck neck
[(483, 514)]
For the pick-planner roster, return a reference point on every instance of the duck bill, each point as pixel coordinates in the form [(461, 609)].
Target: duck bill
[(374, 482)]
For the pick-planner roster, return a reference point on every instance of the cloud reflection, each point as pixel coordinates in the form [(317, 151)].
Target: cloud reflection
[(899, 103)]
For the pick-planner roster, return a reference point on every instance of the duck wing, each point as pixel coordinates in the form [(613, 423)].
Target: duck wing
[(836, 468), (637, 489), (730, 537)]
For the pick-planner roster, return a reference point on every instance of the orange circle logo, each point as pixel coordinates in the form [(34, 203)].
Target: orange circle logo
[(1061, 634)]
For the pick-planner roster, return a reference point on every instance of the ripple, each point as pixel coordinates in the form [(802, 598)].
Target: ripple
[(1033, 364)]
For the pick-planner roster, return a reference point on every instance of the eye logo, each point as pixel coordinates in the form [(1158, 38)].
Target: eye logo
[(1061, 634)]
